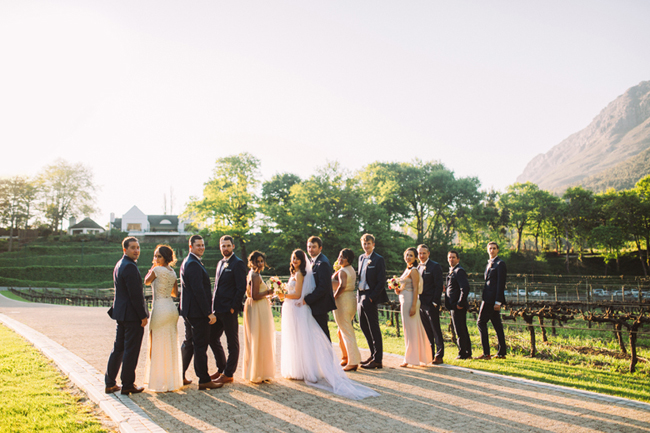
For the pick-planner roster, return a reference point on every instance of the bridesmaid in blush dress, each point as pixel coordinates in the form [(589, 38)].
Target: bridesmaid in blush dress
[(163, 370), (418, 349), (259, 328)]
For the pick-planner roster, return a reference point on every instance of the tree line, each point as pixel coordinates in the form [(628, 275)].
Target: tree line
[(58, 191), (407, 203)]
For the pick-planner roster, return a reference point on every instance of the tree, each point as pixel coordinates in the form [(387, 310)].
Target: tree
[(642, 189), (483, 223), (16, 197), (229, 200), (545, 206), (579, 218), (519, 202), (66, 190)]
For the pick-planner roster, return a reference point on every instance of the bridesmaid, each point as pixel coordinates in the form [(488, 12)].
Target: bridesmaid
[(418, 349), (343, 282), (259, 328)]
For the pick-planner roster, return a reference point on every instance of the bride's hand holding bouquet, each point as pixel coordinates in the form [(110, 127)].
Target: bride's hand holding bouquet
[(278, 287)]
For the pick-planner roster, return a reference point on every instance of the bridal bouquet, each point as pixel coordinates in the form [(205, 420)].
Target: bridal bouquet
[(278, 288), (393, 283), (336, 266)]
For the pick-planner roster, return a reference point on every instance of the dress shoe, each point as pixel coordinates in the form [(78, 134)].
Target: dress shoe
[(224, 379), (366, 361), (371, 365), (463, 357), (404, 364), (112, 389), (133, 390), (437, 360), (500, 357), (210, 385), (351, 367), (484, 357), (344, 361), (215, 376), (186, 381)]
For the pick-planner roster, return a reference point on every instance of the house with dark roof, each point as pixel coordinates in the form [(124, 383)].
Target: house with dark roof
[(137, 223), (85, 226)]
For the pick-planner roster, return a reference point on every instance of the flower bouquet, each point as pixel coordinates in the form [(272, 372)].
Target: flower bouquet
[(278, 288), (336, 266), (393, 283)]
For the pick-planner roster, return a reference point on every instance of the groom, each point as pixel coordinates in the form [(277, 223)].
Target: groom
[(321, 300)]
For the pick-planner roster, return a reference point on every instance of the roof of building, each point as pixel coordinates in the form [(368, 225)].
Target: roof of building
[(86, 223)]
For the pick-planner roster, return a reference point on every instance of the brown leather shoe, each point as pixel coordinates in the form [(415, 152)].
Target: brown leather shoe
[(366, 361), (351, 367), (215, 376), (112, 389), (186, 381), (371, 365), (437, 360), (224, 379), (210, 385), (484, 357), (500, 357), (133, 390), (344, 361)]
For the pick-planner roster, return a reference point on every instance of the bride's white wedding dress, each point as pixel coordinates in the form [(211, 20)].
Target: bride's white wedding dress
[(307, 354)]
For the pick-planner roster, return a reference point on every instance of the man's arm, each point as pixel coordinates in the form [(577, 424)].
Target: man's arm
[(133, 283), (437, 283), (381, 279), (240, 285), (322, 277), (193, 277), (501, 280), (463, 283)]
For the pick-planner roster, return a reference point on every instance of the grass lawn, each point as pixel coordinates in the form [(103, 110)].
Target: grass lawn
[(561, 361), (33, 392), (10, 295)]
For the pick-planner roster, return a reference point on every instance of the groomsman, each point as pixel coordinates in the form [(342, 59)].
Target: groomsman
[(372, 291), (493, 298), (130, 311), (229, 289), (431, 273), (456, 302), (196, 309), (321, 300)]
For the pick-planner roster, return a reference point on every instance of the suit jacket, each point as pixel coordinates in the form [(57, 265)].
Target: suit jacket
[(230, 286), (457, 288), (495, 282), (321, 300), (375, 277), (431, 284), (196, 296), (128, 303)]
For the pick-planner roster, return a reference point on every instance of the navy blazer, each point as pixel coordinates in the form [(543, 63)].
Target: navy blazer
[(457, 288), (128, 303), (376, 279), (196, 296), (230, 287), (431, 284), (321, 300), (495, 282)]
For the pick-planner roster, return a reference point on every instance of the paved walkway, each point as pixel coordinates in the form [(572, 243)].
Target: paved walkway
[(435, 399)]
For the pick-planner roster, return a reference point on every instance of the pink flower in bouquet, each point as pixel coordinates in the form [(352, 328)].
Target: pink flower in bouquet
[(278, 288), (393, 283)]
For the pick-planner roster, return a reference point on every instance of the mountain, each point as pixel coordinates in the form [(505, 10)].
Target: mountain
[(612, 149)]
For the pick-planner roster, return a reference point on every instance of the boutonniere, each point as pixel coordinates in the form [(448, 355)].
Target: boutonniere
[(369, 262), (226, 265)]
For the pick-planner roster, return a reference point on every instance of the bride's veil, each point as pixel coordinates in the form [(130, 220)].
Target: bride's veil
[(309, 283)]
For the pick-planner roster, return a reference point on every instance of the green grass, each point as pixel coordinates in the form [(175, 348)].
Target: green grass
[(34, 396), (10, 295)]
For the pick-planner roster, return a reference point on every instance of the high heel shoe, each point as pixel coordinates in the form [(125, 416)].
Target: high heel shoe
[(344, 361), (351, 367)]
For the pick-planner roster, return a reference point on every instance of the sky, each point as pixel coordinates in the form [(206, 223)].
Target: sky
[(149, 94)]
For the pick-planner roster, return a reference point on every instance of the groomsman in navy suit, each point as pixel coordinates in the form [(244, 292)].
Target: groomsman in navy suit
[(196, 309), (130, 311), (229, 290), (493, 298), (456, 303), (431, 273), (372, 292), (321, 299)]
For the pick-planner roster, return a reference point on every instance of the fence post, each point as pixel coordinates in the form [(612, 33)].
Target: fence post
[(555, 293)]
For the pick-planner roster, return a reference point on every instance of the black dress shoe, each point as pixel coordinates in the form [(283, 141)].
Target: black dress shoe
[(463, 357), (366, 361), (132, 390), (500, 357), (371, 365), (112, 389)]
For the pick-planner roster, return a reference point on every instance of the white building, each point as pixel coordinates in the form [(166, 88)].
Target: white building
[(85, 226), (137, 223)]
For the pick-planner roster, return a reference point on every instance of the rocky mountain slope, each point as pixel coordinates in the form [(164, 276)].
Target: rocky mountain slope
[(611, 146)]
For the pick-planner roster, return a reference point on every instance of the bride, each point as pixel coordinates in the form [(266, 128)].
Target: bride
[(306, 352)]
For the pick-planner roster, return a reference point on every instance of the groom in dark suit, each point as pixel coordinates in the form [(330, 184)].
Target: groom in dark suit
[(196, 309), (431, 273), (456, 302), (229, 290), (321, 300), (130, 311), (372, 291), (493, 298)]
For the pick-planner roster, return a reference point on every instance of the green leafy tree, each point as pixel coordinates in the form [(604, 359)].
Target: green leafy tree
[(579, 218), (642, 190), (229, 198), (17, 195), (545, 206), (483, 223), (519, 202)]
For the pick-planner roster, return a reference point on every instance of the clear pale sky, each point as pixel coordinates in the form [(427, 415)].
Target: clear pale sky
[(150, 93)]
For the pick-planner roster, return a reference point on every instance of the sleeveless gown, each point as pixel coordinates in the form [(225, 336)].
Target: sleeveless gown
[(259, 337), (307, 354), (418, 349), (163, 371)]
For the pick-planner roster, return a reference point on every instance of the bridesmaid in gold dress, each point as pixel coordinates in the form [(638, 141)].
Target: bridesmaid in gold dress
[(343, 282), (259, 328)]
